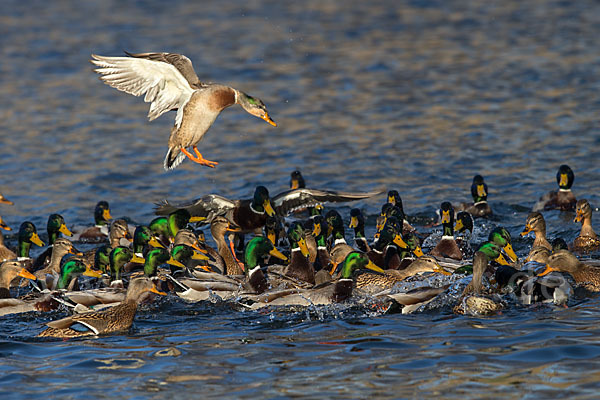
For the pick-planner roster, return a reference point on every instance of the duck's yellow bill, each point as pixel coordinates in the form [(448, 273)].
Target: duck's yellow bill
[(106, 214), (91, 272), (501, 260), (446, 217), (564, 180), (458, 225), (303, 247), (374, 267), (35, 239), (276, 253), (295, 184), (418, 251), (137, 260), (175, 263), (271, 236), (199, 256), (64, 230), (481, 191), (268, 208), (316, 230), (399, 241), (510, 252), (353, 222), (197, 219), (155, 243)]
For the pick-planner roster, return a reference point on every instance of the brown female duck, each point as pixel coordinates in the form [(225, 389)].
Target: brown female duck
[(583, 274), (115, 319), (587, 239), (541, 248), (170, 83)]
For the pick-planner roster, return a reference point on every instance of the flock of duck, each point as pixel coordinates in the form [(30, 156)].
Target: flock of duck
[(296, 256)]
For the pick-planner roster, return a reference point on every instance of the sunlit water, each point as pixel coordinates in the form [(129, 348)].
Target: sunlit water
[(417, 96)]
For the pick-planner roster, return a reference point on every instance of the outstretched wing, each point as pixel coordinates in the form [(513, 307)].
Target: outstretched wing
[(290, 200), (162, 83), (179, 61), (209, 206)]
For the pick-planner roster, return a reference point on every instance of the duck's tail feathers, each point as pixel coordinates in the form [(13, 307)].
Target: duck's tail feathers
[(173, 158)]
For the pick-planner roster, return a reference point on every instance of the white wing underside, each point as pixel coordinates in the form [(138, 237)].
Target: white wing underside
[(163, 85)]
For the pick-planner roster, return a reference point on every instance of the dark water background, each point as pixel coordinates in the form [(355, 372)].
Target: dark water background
[(411, 95)]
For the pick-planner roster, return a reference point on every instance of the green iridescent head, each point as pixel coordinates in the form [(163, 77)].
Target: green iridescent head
[(297, 238), (259, 249), (158, 256), (118, 257), (493, 252), (73, 268), (356, 261), (102, 213), (56, 226), (27, 236), (501, 237), (261, 202), (102, 259)]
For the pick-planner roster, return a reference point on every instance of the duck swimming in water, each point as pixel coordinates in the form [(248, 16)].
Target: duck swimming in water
[(562, 199), (447, 246), (479, 207), (587, 239)]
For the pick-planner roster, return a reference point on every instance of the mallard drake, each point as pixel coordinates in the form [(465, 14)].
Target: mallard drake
[(339, 248), (376, 282), (320, 230), (500, 236), (389, 236), (399, 256), (357, 222), (479, 207), (256, 253), (59, 249), (71, 270), (587, 239), (447, 246), (328, 293), (250, 215), (115, 319), (585, 275), (464, 228), (55, 227), (27, 236), (169, 82), (297, 180), (562, 199), (299, 267), (4, 200), (541, 248), (98, 232), (118, 230), (211, 262), (166, 228), (273, 230)]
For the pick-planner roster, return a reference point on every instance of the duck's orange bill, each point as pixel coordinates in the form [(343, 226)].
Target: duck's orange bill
[(439, 269), (26, 274), (547, 270), (526, 230), (154, 289), (268, 119)]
